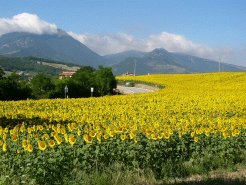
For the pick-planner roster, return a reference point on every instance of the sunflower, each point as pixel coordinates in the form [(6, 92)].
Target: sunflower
[(87, 138), (51, 143), (105, 136), (5, 147), (93, 133), (45, 136), (71, 139), (99, 137), (29, 130), (79, 132), (42, 145), (40, 127), (74, 126), (58, 139), (154, 136), (123, 137), (34, 128), (69, 127), (22, 128), (235, 132), (24, 143), (225, 134), (196, 139), (63, 129), (132, 135), (66, 137), (4, 136), (14, 137), (29, 148), (6, 130), (58, 130), (111, 133), (18, 151)]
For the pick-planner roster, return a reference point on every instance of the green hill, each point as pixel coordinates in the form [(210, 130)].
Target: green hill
[(33, 65)]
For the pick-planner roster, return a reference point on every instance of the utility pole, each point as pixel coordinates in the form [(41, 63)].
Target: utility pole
[(219, 64), (135, 70)]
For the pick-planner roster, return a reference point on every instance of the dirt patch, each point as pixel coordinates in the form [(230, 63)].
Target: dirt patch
[(240, 174), (147, 87)]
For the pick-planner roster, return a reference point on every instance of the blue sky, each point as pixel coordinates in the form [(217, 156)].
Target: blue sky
[(218, 25)]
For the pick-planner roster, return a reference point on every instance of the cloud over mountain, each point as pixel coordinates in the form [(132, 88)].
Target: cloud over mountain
[(113, 43), (175, 43), (26, 22)]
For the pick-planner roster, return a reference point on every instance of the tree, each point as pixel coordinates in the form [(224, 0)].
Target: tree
[(42, 86), (12, 88), (59, 88), (25, 90), (1, 74), (105, 80), (81, 82), (79, 85)]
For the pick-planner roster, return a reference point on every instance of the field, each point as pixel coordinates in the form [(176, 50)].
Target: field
[(194, 125)]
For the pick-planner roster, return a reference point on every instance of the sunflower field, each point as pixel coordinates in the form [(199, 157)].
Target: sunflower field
[(195, 124)]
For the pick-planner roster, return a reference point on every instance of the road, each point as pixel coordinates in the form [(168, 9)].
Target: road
[(132, 90)]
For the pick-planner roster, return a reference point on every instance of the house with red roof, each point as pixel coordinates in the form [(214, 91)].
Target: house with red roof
[(66, 74)]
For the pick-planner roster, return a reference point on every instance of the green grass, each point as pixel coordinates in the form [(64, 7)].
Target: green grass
[(118, 174)]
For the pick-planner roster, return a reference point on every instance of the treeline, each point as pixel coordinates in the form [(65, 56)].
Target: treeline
[(102, 81)]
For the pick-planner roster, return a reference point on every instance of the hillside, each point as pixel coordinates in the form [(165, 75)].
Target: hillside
[(118, 57), (33, 65), (60, 47)]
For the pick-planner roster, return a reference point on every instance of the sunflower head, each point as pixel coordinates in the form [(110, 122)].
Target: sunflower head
[(29, 148), (5, 147), (71, 139), (41, 145), (87, 138), (51, 143)]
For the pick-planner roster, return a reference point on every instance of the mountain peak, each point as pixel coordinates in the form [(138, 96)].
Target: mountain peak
[(159, 50), (158, 53)]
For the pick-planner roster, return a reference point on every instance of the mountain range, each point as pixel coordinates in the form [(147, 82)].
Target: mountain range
[(62, 47), (161, 61)]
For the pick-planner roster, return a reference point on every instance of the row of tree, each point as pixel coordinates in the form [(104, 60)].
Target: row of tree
[(102, 81)]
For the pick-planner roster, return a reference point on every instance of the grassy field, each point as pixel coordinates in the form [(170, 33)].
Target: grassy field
[(195, 125)]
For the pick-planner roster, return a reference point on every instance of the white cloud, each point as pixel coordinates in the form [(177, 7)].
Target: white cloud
[(178, 43), (111, 43), (175, 43), (26, 22), (114, 43)]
